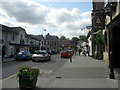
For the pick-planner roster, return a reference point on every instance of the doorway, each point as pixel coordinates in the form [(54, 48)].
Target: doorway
[(116, 46)]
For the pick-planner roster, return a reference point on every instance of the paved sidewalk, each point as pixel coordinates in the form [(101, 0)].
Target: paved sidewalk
[(8, 60), (83, 72)]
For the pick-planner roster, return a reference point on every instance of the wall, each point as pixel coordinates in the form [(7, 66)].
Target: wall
[(114, 14), (0, 45)]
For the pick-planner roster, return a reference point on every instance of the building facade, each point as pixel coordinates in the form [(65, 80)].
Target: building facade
[(13, 40), (52, 42), (113, 32), (98, 27)]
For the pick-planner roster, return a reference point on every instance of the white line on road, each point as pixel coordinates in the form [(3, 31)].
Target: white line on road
[(14, 75), (9, 77)]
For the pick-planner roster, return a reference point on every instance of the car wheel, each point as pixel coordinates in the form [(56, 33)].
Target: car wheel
[(49, 58), (16, 59), (33, 60)]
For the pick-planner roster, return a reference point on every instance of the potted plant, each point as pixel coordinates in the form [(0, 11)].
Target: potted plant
[(27, 77)]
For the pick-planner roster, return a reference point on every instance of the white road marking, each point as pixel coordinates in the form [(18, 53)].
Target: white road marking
[(14, 75)]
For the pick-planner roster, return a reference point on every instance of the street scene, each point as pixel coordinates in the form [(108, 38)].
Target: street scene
[(60, 44)]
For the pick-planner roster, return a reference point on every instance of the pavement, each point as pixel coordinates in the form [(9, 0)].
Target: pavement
[(8, 60), (82, 72)]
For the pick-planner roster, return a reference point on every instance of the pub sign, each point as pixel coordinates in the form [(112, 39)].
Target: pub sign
[(99, 20)]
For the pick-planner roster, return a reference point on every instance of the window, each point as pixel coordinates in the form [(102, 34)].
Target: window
[(21, 37), (13, 37)]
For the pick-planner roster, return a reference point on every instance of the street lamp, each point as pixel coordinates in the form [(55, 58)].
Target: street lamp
[(110, 32), (43, 31)]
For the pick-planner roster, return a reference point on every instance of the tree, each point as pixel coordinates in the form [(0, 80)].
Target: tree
[(62, 38), (82, 37), (57, 37), (75, 40)]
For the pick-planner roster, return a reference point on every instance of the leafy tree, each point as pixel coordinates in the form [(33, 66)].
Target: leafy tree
[(82, 37), (75, 40), (67, 39), (57, 37), (62, 38)]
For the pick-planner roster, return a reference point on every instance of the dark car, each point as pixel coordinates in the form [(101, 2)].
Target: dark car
[(23, 55), (54, 51)]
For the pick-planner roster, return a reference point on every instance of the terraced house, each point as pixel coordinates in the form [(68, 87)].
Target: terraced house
[(13, 40), (52, 42)]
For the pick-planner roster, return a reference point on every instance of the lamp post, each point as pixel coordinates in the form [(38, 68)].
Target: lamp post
[(43, 31), (111, 62), (110, 32)]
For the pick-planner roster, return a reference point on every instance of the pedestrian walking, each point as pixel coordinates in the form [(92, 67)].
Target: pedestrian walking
[(70, 57), (3, 54), (76, 52), (79, 51)]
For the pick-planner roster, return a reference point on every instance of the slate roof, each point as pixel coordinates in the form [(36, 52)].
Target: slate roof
[(36, 37), (50, 37), (39, 37), (11, 29)]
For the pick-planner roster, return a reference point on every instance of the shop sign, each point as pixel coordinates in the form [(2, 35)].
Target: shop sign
[(99, 21)]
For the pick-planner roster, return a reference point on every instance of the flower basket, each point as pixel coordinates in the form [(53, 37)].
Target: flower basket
[(27, 77)]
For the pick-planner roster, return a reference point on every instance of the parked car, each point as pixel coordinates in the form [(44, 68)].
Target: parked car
[(49, 52), (23, 55), (41, 55), (65, 54), (54, 51)]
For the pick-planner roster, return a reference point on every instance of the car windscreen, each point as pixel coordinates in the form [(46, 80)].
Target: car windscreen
[(21, 52), (24, 52)]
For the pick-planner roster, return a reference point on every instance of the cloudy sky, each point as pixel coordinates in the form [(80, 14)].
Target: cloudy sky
[(58, 18)]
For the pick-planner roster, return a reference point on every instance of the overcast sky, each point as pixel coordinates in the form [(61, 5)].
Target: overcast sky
[(58, 18)]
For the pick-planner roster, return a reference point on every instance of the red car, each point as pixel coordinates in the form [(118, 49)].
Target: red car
[(65, 54)]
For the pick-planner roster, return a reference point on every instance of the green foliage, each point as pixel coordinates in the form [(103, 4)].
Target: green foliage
[(62, 38), (99, 41), (82, 37), (75, 40), (31, 72)]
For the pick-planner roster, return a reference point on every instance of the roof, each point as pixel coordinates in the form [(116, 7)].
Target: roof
[(32, 37), (12, 29), (17, 29), (39, 37), (50, 37)]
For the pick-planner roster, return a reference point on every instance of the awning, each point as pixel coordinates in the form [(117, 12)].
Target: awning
[(34, 45), (15, 44)]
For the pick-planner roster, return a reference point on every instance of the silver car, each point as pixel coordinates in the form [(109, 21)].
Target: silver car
[(41, 55)]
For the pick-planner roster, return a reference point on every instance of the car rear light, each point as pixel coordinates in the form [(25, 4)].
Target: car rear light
[(43, 55)]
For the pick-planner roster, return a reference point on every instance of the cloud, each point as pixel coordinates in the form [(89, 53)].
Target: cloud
[(31, 15), (29, 12)]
